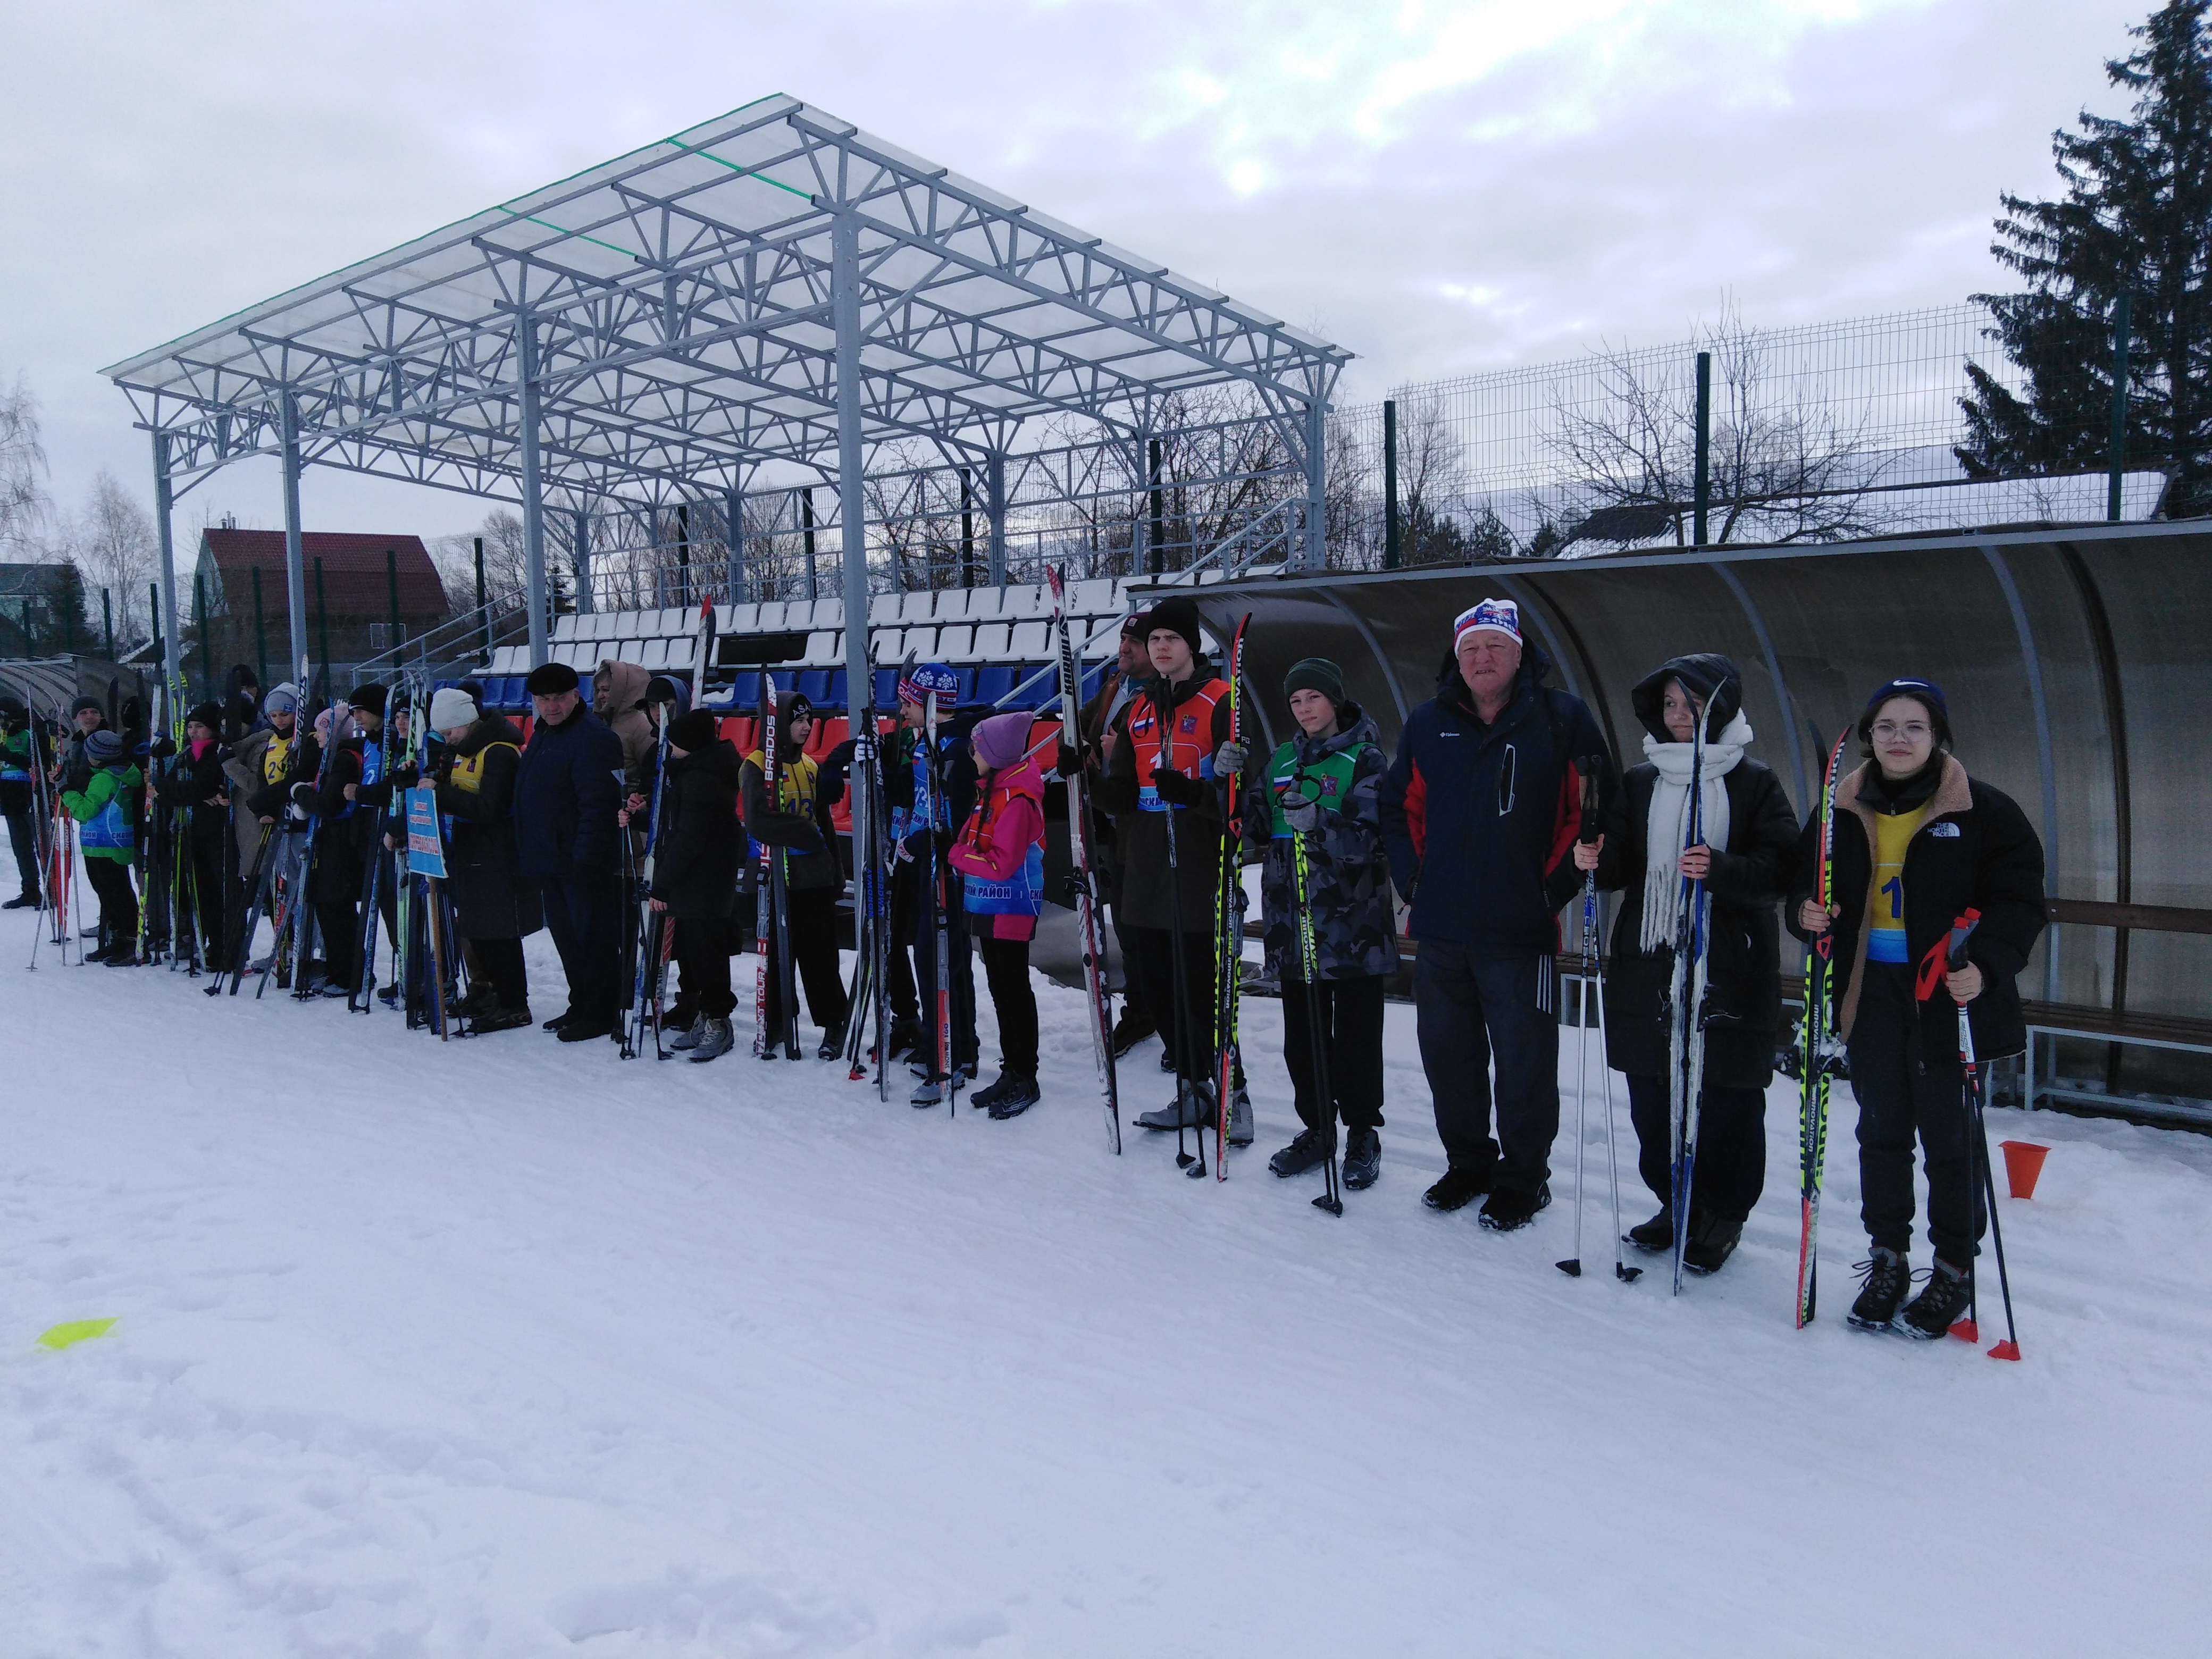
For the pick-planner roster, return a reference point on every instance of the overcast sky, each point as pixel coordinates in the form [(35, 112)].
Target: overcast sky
[(1437, 187)]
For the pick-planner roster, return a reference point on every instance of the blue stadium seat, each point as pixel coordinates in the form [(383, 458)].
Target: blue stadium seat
[(887, 688), (992, 684), (814, 686), (833, 695)]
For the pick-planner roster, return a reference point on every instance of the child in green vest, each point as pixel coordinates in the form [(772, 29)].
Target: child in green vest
[(1323, 788), (104, 810)]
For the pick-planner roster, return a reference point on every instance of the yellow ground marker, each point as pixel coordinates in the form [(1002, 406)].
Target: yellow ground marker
[(75, 1330)]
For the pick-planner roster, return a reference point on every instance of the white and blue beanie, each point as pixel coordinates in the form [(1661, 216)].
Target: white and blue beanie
[(1492, 615)]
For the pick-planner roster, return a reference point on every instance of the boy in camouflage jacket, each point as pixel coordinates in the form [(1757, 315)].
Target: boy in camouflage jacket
[(1324, 785)]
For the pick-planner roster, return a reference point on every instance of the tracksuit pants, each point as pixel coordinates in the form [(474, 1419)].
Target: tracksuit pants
[(1731, 1167), (1474, 1012), (1901, 1094), (1352, 1038)]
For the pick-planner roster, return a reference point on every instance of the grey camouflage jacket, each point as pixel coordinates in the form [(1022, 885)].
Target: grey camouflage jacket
[(1347, 867)]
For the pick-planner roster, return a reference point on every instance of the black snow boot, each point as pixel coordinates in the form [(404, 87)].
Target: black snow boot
[(1363, 1159), (833, 1045), (1508, 1213), (1710, 1243), (1129, 1031), (906, 1038), (1656, 1234), (1942, 1302), (1459, 1186), (1888, 1277), (1300, 1155), (27, 902), (1016, 1092)]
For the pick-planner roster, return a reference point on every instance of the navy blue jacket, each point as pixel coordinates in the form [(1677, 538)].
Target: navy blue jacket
[(1480, 822), (565, 797)]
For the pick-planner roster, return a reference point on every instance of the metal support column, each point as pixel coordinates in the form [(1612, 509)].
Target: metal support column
[(806, 520), (1314, 554), (579, 558), (995, 503), (1392, 554), (966, 527), (733, 541), (534, 496), (172, 654), (1701, 485), (2119, 455), (852, 495), (683, 554), (295, 562)]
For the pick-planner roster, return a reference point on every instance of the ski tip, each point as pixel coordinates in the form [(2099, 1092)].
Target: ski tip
[(1572, 1267), (2007, 1349), (1967, 1331)]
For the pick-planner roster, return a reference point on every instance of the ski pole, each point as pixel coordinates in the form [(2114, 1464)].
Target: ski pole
[(1308, 964), (1950, 957), (1587, 834)]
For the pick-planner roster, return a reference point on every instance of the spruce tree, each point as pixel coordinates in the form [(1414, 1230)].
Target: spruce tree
[(2135, 219)]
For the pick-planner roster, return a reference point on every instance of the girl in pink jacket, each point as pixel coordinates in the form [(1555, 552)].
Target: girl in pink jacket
[(1000, 858)]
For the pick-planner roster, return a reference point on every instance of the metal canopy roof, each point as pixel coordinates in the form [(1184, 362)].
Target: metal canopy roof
[(673, 310)]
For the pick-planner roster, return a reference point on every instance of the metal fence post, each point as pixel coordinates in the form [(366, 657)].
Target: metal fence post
[(1704, 483), (1392, 553), (2120, 331), (260, 633)]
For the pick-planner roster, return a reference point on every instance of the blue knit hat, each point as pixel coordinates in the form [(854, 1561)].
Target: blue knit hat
[(1924, 692), (103, 747)]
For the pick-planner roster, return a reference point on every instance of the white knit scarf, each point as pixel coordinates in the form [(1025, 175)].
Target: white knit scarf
[(1668, 820)]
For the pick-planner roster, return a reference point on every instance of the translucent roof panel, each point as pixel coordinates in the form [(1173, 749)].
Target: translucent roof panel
[(679, 300)]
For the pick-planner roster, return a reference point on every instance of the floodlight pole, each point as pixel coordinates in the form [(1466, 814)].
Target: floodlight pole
[(296, 563), (995, 503), (852, 493), (172, 657), (533, 493)]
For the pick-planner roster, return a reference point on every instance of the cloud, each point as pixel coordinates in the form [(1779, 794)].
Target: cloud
[(1437, 186)]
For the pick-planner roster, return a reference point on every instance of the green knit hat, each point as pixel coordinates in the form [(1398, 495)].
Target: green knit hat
[(1316, 674)]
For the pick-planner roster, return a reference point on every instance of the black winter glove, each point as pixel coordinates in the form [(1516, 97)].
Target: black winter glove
[(1068, 760), (1178, 788), (163, 748), (405, 777), (302, 795)]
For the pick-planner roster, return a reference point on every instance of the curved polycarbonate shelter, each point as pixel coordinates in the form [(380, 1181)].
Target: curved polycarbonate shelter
[(771, 289), (2077, 665)]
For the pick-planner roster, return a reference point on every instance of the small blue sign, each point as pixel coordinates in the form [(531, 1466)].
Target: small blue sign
[(426, 849)]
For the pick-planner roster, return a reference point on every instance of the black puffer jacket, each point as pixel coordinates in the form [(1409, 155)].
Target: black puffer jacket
[(1974, 850), (695, 872), (1743, 955), (484, 877)]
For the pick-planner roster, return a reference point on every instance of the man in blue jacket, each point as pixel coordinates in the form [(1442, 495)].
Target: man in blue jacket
[(566, 796), (1480, 811)]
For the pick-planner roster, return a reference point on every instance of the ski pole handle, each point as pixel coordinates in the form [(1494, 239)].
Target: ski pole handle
[(1954, 951), (1587, 831)]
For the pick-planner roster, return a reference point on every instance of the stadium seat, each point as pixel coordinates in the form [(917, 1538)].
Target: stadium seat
[(957, 640), (1031, 640), (887, 688), (833, 695), (994, 684), (814, 686), (993, 642)]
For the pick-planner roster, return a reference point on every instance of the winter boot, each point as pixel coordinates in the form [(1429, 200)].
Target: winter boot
[(1888, 1277), (833, 1045), (1187, 1112), (1942, 1302), (1240, 1118), (27, 902), (1018, 1093), (1710, 1243), (1458, 1188), (716, 1040), (500, 1019), (906, 1038), (929, 1092), (990, 1091), (692, 1037), (1509, 1212), (1363, 1159), (1129, 1031), (1655, 1235), (1300, 1155), (481, 1001), (558, 1020)]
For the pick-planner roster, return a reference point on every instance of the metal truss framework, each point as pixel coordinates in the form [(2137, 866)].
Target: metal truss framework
[(666, 326)]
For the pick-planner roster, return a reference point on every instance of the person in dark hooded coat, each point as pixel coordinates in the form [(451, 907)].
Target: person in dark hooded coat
[(495, 910), (1744, 860), (191, 782), (695, 872), (1480, 811)]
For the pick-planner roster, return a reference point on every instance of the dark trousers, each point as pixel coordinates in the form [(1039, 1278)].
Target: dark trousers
[(583, 913), (1006, 972), (1186, 1025), (1472, 1011), (209, 893), (702, 952), (1731, 1170), (962, 967), (811, 921), (1902, 1093), (1351, 1034), (898, 975), (500, 962), (23, 833), (339, 923), (118, 901)]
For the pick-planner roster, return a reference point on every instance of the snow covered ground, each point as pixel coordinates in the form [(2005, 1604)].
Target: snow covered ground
[(500, 1348)]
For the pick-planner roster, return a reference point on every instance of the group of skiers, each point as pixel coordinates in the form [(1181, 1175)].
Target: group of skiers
[(629, 825)]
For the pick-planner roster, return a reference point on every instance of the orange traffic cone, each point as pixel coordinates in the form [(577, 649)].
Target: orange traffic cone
[(2023, 1165)]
